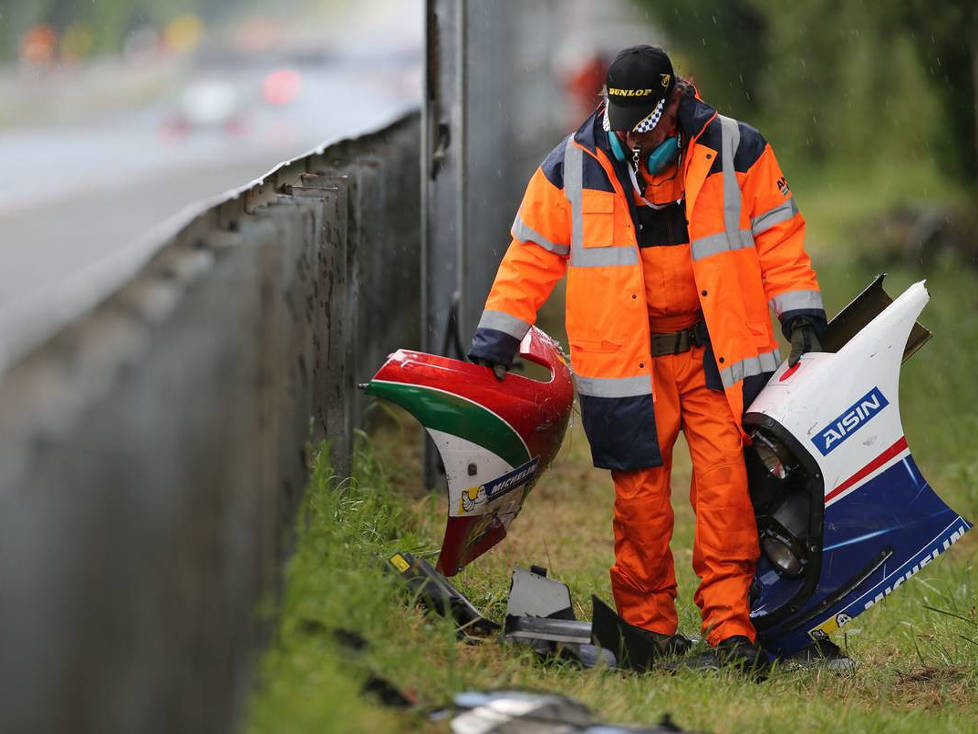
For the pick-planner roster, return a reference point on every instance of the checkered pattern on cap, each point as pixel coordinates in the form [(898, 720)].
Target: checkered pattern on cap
[(645, 124), (652, 120)]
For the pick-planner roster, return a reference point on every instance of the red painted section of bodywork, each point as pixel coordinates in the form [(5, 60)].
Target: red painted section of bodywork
[(537, 410), (790, 371), (896, 448)]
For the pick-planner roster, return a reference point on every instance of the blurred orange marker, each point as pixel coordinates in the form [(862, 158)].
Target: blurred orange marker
[(37, 45)]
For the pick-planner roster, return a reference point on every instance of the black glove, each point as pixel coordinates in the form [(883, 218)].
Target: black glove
[(803, 339), (498, 369)]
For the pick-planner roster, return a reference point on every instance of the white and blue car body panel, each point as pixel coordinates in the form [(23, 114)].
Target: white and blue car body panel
[(864, 520)]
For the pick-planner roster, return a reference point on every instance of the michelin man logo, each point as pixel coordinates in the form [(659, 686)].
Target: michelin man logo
[(475, 498)]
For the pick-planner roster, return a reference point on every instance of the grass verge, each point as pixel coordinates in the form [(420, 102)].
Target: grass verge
[(309, 680)]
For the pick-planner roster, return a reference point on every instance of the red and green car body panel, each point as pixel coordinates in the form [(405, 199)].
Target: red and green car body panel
[(495, 437)]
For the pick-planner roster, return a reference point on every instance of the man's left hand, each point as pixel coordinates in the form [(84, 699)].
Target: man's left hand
[(803, 339)]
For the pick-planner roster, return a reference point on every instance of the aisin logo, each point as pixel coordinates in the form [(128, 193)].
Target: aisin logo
[(854, 418)]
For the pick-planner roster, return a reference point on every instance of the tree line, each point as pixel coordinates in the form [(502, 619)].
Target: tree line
[(108, 22), (834, 80)]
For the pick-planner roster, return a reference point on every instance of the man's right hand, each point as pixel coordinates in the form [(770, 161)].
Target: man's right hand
[(499, 370)]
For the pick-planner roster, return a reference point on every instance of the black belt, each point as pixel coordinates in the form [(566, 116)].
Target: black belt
[(679, 341)]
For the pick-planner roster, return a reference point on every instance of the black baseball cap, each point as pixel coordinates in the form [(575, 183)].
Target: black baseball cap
[(638, 79)]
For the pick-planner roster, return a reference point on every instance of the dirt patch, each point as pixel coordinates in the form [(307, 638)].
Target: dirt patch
[(398, 441), (929, 687)]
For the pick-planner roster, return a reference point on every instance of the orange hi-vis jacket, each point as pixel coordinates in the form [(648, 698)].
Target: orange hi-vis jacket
[(578, 217)]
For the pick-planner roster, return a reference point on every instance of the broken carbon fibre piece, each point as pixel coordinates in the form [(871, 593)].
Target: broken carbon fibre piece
[(434, 592), (532, 594), (634, 647), (539, 614)]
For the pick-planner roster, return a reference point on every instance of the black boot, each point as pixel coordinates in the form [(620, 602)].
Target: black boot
[(739, 652), (673, 645)]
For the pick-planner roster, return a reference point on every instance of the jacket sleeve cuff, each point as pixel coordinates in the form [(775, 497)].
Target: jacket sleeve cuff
[(496, 346), (815, 315)]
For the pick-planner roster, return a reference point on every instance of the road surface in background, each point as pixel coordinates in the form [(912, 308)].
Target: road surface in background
[(74, 196)]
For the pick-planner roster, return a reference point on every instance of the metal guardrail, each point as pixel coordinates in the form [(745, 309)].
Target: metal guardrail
[(151, 451)]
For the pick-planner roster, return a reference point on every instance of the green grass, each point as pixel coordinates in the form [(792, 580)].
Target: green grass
[(837, 198), (308, 681), (916, 653)]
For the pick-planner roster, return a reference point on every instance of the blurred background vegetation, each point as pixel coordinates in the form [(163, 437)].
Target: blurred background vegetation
[(831, 80), (43, 32), (839, 80)]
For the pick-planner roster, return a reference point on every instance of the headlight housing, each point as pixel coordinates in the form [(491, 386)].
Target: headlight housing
[(780, 552), (773, 455)]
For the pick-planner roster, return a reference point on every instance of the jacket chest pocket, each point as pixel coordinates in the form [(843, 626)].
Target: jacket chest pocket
[(595, 346), (598, 218)]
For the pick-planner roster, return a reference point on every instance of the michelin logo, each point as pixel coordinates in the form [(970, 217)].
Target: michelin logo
[(854, 418), (476, 497), (935, 552)]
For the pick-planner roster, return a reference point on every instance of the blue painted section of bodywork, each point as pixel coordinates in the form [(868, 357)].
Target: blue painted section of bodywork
[(895, 515)]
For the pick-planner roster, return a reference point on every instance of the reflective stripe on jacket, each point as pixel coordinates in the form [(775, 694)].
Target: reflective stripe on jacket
[(747, 243)]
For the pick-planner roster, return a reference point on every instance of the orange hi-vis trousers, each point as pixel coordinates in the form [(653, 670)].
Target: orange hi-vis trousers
[(725, 546)]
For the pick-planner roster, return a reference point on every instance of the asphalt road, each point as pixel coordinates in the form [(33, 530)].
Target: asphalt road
[(73, 197)]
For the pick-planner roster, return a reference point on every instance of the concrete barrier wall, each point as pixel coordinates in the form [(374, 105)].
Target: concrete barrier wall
[(151, 453)]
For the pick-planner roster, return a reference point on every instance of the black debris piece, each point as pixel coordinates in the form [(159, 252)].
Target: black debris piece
[(547, 629), (349, 639), (667, 724), (387, 693), (434, 592), (539, 613), (822, 653), (353, 644), (634, 647), (311, 626)]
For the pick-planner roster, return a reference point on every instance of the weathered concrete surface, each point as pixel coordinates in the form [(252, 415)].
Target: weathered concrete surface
[(152, 454)]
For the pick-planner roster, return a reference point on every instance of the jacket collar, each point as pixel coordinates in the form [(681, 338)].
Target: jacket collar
[(694, 115), (587, 134)]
